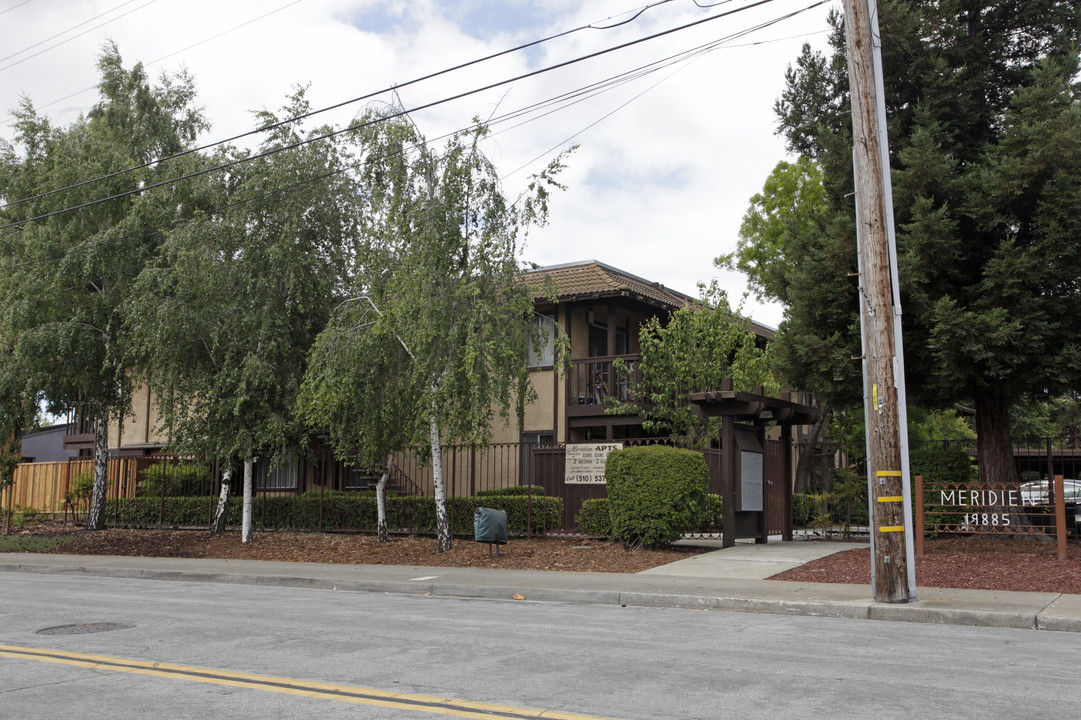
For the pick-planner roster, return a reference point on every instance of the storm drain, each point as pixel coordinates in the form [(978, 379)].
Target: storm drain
[(83, 628)]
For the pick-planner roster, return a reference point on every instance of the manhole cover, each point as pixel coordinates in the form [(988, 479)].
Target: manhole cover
[(83, 629)]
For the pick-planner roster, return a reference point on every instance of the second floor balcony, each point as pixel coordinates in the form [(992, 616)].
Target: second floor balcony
[(594, 385)]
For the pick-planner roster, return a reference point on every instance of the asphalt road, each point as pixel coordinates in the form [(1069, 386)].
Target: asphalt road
[(232, 651)]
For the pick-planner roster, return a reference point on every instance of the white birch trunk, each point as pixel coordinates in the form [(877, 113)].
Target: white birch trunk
[(223, 501), (442, 522), (96, 518), (245, 526), (381, 500)]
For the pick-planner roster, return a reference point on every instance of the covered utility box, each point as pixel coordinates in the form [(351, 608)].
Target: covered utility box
[(490, 526)]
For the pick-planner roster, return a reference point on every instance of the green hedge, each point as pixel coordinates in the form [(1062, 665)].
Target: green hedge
[(655, 493), (533, 490), (942, 464), (593, 519), (942, 468), (340, 511), (179, 479), (714, 515), (804, 508)]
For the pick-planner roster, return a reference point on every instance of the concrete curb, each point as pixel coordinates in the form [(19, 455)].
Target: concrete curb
[(1039, 611)]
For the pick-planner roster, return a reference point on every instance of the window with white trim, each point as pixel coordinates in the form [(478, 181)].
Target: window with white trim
[(542, 353)]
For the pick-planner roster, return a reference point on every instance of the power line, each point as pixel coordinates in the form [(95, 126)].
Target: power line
[(685, 58), (336, 106), (2, 12), (358, 126), (587, 91), (73, 37), (166, 57), (65, 32), (25, 2)]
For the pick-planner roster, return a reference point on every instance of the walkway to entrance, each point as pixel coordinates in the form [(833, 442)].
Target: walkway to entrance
[(747, 560)]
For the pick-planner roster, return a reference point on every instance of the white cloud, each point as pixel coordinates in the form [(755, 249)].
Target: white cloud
[(658, 188)]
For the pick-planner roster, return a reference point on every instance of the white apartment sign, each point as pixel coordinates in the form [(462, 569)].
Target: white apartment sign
[(585, 462)]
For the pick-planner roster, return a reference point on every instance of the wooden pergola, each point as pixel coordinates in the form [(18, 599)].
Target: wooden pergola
[(745, 417)]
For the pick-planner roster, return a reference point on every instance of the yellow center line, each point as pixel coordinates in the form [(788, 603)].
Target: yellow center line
[(289, 686)]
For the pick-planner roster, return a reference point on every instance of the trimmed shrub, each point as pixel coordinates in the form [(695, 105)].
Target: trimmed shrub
[(26, 516), (804, 509), (533, 490), (941, 468), (942, 464), (180, 480), (714, 515), (337, 511), (593, 518), (848, 501), (655, 493), (78, 497)]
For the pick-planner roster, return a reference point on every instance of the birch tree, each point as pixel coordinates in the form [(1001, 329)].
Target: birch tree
[(68, 271), (359, 389), (227, 314), (441, 245)]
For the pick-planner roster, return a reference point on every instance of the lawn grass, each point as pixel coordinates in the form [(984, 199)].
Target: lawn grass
[(32, 544)]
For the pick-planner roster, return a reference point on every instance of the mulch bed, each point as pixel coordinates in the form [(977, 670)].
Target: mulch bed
[(563, 554), (976, 563), (1020, 564)]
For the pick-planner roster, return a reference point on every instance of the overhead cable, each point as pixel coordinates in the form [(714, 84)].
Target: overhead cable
[(358, 126), (336, 106)]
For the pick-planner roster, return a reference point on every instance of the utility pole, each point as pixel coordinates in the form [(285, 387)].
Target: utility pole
[(888, 493)]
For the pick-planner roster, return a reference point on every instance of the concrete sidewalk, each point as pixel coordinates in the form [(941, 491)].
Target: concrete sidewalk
[(731, 579)]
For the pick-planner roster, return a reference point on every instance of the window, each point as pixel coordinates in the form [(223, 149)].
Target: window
[(542, 353), (283, 476), (538, 439)]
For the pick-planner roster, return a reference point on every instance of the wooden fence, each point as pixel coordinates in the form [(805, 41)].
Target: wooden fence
[(46, 486)]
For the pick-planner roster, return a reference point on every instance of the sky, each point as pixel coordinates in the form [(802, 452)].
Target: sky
[(666, 161)]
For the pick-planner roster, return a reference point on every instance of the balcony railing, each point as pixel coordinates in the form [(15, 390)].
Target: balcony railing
[(80, 432), (593, 380)]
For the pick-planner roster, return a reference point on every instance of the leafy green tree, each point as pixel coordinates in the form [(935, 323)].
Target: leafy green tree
[(937, 426), (67, 273), (360, 389), (225, 316), (1057, 419), (699, 346), (18, 411), (985, 132), (787, 208), (439, 317), (791, 210)]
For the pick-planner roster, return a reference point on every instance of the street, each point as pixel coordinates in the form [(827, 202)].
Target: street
[(522, 656)]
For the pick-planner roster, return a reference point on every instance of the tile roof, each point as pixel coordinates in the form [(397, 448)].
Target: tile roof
[(592, 279)]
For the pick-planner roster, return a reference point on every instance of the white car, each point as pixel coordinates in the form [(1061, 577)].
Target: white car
[(1036, 492)]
